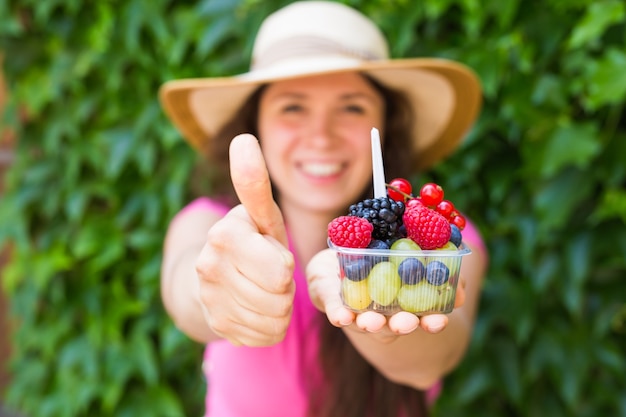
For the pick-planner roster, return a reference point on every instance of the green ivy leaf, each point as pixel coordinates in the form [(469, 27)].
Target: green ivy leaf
[(509, 369), (607, 84), (143, 356), (121, 143), (571, 145), (599, 16), (612, 205), (556, 200), (546, 272)]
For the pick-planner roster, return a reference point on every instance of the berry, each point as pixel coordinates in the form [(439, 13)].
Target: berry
[(411, 271), (383, 213), (429, 229), (350, 231), (458, 220), (416, 201), (378, 244), (437, 273), (431, 194), (455, 235), (445, 208), (356, 268), (399, 189)]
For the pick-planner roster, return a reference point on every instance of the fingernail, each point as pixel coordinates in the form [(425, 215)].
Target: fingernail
[(436, 327)]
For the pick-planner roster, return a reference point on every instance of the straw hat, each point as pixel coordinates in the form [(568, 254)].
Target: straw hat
[(316, 37)]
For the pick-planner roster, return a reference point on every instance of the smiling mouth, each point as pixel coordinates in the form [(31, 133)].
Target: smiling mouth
[(321, 169)]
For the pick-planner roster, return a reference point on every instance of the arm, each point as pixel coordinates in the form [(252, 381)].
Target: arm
[(232, 277), (404, 348), (185, 238)]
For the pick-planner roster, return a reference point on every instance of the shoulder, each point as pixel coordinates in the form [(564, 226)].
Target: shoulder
[(205, 205), (472, 236), (190, 225)]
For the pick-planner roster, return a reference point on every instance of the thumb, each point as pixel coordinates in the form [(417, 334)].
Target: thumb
[(252, 184)]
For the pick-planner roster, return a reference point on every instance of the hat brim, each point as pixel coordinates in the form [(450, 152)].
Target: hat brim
[(445, 97)]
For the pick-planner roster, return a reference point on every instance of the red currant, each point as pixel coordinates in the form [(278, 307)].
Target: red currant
[(431, 194), (414, 202), (458, 220), (399, 189), (445, 208)]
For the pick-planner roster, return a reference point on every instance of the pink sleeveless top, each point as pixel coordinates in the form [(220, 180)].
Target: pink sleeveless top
[(272, 381)]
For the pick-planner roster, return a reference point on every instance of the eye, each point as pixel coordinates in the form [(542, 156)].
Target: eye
[(292, 108), (354, 108)]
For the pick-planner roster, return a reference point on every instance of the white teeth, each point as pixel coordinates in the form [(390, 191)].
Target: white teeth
[(320, 169)]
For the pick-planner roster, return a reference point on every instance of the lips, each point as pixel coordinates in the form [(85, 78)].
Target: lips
[(321, 169)]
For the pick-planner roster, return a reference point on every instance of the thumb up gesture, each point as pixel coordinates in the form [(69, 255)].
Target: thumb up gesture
[(245, 269)]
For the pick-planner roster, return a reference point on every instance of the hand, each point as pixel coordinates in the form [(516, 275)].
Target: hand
[(245, 270), (324, 289)]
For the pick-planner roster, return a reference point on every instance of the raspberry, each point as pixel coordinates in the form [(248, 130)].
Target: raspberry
[(350, 232), (383, 213), (429, 229)]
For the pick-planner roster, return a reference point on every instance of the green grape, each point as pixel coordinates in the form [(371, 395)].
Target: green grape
[(404, 244), (447, 294), (448, 246), (355, 294), (455, 268), (384, 283), (421, 297)]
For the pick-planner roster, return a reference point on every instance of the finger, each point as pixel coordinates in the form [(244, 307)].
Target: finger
[(371, 321), (244, 334), (260, 258), (253, 187), (434, 323), (403, 322), (324, 285), (235, 247), (459, 298)]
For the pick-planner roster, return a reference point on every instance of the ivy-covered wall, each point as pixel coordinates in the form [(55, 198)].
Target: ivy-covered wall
[(99, 172)]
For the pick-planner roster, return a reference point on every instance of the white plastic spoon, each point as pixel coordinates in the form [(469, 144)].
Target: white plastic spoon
[(377, 165)]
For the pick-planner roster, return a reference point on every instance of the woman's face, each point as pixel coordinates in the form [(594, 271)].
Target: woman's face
[(315, 135)]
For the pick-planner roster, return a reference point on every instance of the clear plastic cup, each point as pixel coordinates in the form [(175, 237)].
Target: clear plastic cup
[(388, 281)]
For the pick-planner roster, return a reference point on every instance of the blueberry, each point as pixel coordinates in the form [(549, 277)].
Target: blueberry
[(357, 268), (411, 271), (455, 236), (437, 273), (378, 244)]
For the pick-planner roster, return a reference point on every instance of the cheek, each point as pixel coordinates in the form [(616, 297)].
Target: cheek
[(362, 151), (274, 143)]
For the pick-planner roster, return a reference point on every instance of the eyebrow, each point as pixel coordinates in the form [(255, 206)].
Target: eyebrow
[(346, 96)]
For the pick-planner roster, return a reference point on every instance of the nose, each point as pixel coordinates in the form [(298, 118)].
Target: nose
[(320, 129)]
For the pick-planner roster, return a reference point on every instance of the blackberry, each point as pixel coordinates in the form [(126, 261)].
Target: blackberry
[(383, 213)]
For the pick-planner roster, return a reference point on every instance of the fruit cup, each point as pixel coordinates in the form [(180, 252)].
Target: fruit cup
[(399, 279)]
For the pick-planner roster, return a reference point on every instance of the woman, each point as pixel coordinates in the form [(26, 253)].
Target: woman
[(279, 341)]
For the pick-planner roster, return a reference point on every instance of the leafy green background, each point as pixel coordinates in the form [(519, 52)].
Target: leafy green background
[(99, 172)]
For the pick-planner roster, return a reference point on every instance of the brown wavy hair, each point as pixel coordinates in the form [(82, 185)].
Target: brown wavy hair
[(352, 387)]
